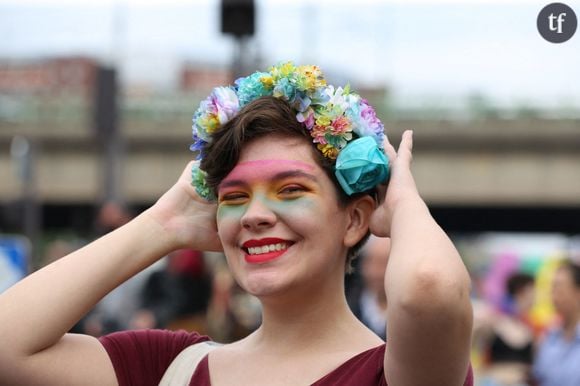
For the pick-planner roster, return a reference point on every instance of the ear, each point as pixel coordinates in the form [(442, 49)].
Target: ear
[(359, 211)]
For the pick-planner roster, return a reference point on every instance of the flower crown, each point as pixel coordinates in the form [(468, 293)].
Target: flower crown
[(337, 119)]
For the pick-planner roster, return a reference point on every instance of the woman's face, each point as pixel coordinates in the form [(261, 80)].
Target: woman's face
[(279, 220), (565, 295), (526, 297)]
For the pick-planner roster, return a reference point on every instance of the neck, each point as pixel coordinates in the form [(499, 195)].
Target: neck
[(317, 315), (570, 324)]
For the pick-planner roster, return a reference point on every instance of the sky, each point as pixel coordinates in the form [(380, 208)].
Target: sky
[(420, 50)]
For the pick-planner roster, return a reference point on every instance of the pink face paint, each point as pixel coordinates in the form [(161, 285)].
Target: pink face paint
[(251, 172)]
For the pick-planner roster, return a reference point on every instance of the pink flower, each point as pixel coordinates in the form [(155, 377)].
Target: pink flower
[(340, 125), (318, 133)]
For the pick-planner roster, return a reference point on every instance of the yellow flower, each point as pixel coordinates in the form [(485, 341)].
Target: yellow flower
[(323, 120), (283, 70), (211, 123), (328, 150), (310, 77), (267, 81), (287, 68)]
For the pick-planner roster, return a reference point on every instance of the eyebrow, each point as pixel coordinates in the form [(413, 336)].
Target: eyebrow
[(276, 177)]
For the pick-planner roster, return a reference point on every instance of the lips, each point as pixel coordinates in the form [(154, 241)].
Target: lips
[(264, 250)]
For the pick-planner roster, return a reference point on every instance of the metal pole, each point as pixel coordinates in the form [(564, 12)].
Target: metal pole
[(112, 166), (23, 152), (107, 130), (239, 65)]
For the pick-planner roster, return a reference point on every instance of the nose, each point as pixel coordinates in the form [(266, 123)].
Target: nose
[(258, 215)]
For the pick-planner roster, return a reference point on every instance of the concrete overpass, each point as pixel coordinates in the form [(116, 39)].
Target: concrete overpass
[(511, 162)]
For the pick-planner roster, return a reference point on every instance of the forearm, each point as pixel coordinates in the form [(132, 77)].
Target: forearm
[(426, 282), (39, 310), (429, 312), (424, 265)]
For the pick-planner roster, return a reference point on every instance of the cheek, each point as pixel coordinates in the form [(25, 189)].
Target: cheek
[(230, 212), (302, 211), (228, 219)]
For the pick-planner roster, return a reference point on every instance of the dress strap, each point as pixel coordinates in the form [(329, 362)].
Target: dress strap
[(181, 370)]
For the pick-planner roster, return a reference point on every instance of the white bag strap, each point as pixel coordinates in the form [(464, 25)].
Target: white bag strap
[(181, 370)]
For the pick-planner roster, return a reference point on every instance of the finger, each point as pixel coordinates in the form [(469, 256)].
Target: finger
[(188, 169), (405, 151)]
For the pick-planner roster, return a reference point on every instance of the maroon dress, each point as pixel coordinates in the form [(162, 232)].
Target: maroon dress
[(141, 358)]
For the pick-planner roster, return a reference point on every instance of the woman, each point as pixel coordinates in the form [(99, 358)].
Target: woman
[(509, 334), (288, 215), (367, 298)]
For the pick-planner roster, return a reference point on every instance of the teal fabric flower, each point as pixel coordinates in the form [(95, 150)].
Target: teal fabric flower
[(198, 177), (361, 165), (252, 87)]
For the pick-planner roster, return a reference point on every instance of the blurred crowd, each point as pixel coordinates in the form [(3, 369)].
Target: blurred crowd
[(187, 290), (195, 291), (514, 349)]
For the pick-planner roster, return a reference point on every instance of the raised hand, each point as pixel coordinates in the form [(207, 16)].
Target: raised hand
[(425, 281), (401, 185), (189, 219)]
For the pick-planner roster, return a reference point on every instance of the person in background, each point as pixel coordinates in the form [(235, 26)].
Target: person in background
[(511, 335), (232, 313), (368, 300), (115, 311), (176, 297), (557, 361)]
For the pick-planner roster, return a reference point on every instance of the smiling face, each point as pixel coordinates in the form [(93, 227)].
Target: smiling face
[(279, 219)]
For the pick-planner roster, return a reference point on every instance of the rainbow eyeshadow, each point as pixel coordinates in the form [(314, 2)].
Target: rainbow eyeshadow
[(251, 172), (256, 172), (284, 208)]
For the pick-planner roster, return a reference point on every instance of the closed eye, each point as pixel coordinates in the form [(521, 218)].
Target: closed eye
[(292, 189), (233, 198)]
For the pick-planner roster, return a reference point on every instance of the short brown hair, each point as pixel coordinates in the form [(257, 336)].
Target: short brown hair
[(259, 118), (517, 282)]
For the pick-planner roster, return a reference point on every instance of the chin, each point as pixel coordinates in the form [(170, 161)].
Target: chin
[(261, 289), (264, 285)]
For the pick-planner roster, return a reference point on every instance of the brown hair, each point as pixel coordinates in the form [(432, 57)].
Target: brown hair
[(259, 118), (517, 282)]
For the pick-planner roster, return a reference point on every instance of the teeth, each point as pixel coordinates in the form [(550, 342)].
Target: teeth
[(267, 248)]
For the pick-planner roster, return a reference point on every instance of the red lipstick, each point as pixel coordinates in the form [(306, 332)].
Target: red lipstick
[(255, 253)]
